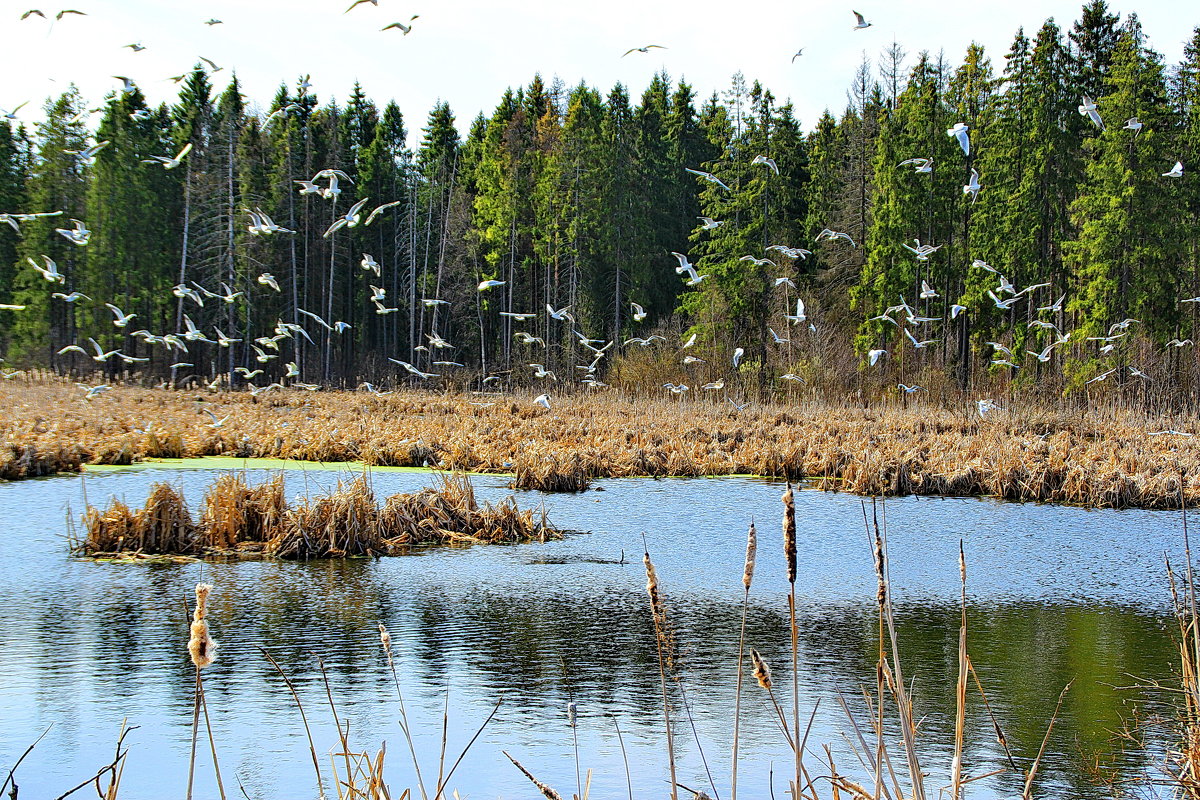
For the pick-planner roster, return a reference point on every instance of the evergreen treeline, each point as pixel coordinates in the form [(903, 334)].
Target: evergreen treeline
[(577, 199)]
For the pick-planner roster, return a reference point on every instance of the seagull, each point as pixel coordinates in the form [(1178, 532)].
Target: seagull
[(1137, 373), (873, 356), (927, 291), (262, 356), (1088, 109), (561, 314), (1133, 124), (984, 266), (358, 3), (223, 340), (785, 281), (909, 389), (1043, 356), (213, 21), (770, 162), (31, 12), (922, 165), (737, 408), (216, 423), (490, 284), (790, 252), (518, 316), (862, 23), (1102, 376), (72, 297), (1002, 304), (708, 176), (1176, 171), (11, 307), (639, 313), (136, 47), (91, 392), (799, 316), (101, 354), (959, 131), (400, 26), (714, 385), (1168, 432), (710, 223), (247, 373), (348, 220), (691, 341), (540, 371), (182, 290), (87, 156), (758, 262), (737, 356), (542, 400), (676, 389), (50, 271), (65, 11), (799, 53), (379, 210), (1179, 342), (121, 318), (267, 279), (1055, 306), (972, 187), (923, 251), (316, 318), (693, 277), (211, 64), (645, 49), (832, 235), (430, 302), (649, 340), (689, 360), (78, 235), (776, 337), (279, 112), (916, 344), (309, 187), (369, 263), (984, 406), (438, 342), (791, 376), (527, 338)]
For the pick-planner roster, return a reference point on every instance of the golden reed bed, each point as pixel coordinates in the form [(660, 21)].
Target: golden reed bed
[(1100, 457)]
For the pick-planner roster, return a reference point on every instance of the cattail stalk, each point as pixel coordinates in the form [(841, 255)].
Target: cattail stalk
[(203, 650), (661, 637), (747, 579), (789, 552), (385, 638)]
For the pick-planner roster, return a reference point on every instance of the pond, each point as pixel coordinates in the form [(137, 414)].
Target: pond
[(1054, 594)]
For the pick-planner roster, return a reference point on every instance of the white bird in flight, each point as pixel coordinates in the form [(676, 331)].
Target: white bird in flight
[(861, 23), (959, 131), (922, 165), (1088, 109), (1175, 171), (490, 284), (770, 162), (972, 187), (708, 176), (645, 49)]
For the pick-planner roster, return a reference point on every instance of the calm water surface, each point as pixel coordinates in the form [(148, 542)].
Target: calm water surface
[(1055, 594)]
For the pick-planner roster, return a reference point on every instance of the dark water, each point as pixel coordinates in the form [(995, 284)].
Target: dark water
[(1054, 595)]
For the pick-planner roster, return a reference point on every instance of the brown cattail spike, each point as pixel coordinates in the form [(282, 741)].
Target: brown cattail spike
[(751, 552), (201, 646), (385, 638), (789, 533), (762, 673)]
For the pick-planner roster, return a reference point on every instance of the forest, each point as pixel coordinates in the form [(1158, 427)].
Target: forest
[(1049, 249)]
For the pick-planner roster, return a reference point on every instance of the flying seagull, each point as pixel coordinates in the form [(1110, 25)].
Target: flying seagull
[(1176, 171), (708, 176), (959, 131), (862, 23), (799, 53), (401, 26), (1088, 109), (645, 49)]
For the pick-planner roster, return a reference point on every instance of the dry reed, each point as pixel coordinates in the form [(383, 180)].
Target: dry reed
[(346, 522)]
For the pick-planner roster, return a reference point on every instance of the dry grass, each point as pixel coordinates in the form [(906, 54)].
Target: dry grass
[(1099, 457), (239, 519)]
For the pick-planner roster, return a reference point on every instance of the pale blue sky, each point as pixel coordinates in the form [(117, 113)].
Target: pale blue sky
[(468, 51)]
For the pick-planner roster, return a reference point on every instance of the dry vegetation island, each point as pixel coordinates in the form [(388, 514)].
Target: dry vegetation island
[(1104, 456)]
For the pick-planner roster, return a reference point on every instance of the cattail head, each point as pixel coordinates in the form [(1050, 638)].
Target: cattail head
[(751, 552), (385, 638), (201, 646), (571, 713), (789, 533), (880, 569), (762, 673)]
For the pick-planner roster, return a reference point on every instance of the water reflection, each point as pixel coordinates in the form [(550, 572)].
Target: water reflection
[(86, 644)]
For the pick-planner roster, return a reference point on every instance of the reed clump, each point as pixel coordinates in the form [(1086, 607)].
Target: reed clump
[(238, 519)]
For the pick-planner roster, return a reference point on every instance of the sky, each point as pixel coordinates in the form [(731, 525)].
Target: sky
[(467, 52)]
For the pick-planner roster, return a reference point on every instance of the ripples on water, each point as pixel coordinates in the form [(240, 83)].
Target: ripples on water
[(1055, 594)]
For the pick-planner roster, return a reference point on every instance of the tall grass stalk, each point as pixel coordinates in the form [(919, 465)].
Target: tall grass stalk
[(747, 579), (304, 719), (385, 639), (662, 639), (789, 552)]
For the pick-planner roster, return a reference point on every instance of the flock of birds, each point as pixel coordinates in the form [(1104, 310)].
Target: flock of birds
[(326, 184)]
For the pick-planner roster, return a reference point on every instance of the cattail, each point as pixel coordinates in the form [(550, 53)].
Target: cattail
[(571, 713), (789, 533), (385, 638), (201, 646), (880, 569), (656, 604), (762, 673), (751, 552)]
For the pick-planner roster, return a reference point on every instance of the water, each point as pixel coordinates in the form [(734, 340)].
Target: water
[(1055, 595)]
